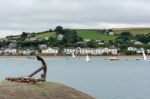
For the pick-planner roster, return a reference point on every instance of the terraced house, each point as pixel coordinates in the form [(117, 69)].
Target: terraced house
[(91, 51)]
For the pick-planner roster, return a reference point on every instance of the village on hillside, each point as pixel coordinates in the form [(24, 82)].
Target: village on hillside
[(82, 42)]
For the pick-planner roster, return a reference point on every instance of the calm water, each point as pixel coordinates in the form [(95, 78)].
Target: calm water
[(103, 79)]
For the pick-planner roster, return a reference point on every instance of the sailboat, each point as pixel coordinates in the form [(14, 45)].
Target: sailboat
[(73, 56), (87, 59), (144, 55)]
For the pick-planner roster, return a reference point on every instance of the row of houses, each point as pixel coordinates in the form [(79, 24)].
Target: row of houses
[(55, 51), (17, 52), (92, 51), (137, 50), (68, 51)]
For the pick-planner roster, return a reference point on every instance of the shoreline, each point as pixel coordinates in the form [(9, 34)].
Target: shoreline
[(97, 57)]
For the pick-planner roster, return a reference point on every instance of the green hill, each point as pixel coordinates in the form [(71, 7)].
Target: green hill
[(132, 30), (92, 34), (84, 33), (45, 34)]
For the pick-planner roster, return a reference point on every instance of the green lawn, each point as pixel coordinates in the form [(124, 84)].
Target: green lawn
[(133, 30), (47, 34), (92, 34)]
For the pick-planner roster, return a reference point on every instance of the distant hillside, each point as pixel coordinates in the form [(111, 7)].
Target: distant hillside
[(45, 34), (132, 30), (93, 34)]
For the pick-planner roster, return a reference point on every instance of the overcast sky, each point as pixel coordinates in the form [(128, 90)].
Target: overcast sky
[(38, 15)]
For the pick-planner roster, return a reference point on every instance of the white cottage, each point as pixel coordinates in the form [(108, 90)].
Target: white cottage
[(50, 50), (148, 51), (26, 52), (10, 51), (132, 49), (69, 50)]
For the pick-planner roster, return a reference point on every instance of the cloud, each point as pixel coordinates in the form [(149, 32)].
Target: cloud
[(38, 15)]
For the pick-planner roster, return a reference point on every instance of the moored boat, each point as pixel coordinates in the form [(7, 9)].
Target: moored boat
[(114, 58)]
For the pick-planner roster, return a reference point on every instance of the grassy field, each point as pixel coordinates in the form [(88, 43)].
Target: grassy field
[(133, 30), (92, 34), (46, 34)]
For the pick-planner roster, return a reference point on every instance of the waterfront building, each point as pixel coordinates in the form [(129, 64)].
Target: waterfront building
[(10, 51), (49, 50), (91, 51), (26, 52)]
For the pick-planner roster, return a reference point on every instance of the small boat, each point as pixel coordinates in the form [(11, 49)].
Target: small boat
[(138, 59), (114, 58), (29, 57), (144, 55), (73, 56), (87, 59)]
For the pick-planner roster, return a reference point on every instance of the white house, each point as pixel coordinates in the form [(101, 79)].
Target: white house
[(60, 37), (138, 43), (139, 51), (32, 39), (12, 45), (26, 52), (100, 42), (42, 46), (46, 38), (132, 49), (114, 51), (86, 40), (69, 50), (111, 33), (148, 51), (50, 50), (10, 51)]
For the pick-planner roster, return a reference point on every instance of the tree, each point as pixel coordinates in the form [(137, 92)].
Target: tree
[(33, 34), (50, 30), (124, 38), (111, 42), (70, 36), (128, 34), (141, 37), (23, 36), (59, 30), (130, 52), (51, 41), (91, 44)]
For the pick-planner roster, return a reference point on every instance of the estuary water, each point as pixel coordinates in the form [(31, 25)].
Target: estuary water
[(102, 79)]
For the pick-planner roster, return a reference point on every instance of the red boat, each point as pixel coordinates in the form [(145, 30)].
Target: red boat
[(114, 58)]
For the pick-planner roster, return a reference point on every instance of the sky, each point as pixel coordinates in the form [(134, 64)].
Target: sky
[(17, 16)]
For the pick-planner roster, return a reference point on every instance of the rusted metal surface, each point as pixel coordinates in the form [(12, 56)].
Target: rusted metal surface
[(24, 80), (30, 78), (43, 67)]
